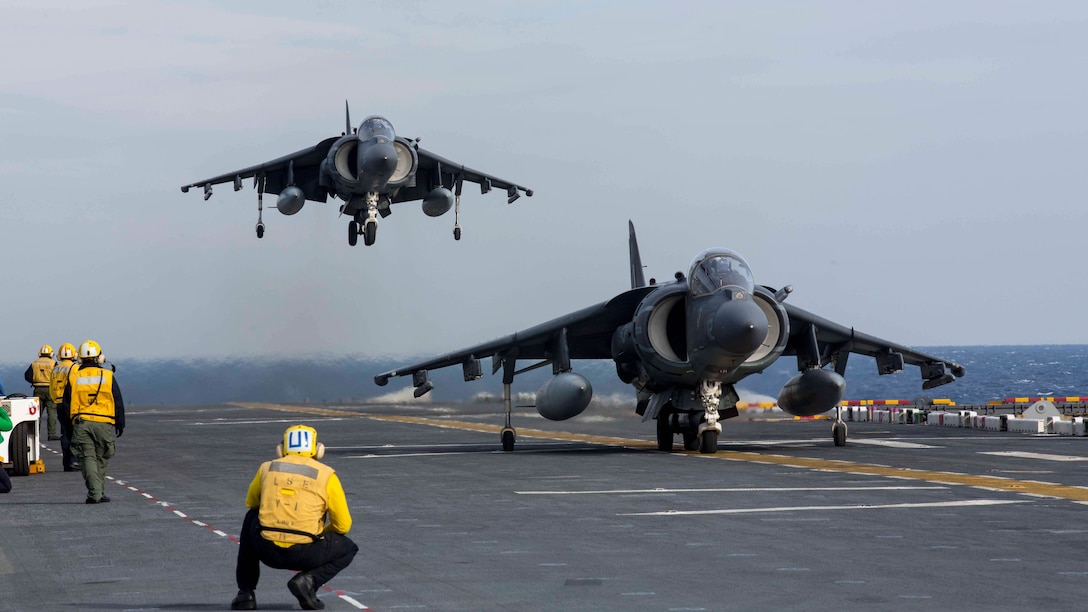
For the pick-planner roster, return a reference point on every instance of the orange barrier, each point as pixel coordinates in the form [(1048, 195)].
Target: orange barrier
[(1072, 399)]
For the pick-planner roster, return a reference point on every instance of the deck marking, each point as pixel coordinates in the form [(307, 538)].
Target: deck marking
[(1027, 455), (732, 490), (252, 421), (402, 455), (207, 527), (948, 504), (891, 443), (991, 483)]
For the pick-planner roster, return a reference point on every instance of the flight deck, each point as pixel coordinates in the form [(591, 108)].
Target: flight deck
[(583, 515)]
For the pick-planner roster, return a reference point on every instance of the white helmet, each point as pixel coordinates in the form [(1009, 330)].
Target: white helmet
[(90, 351)]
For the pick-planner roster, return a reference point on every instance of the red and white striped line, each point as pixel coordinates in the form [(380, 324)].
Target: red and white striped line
[(203, 525)]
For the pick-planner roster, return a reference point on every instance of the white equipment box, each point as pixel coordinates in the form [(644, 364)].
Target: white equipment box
[(19, 449)]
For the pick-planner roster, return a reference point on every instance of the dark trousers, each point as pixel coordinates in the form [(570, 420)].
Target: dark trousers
[(67, 458), (48, 408), (322, 558), (5, 482)]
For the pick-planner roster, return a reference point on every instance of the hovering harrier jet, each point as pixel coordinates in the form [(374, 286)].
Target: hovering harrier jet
[(369, 168)]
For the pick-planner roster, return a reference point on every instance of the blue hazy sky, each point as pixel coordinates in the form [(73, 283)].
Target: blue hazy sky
[(914, 170)]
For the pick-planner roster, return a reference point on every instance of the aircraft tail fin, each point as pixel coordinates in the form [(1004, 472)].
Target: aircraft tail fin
[(347, 118), (637, 277)]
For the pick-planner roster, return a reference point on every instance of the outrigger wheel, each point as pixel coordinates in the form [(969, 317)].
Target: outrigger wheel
[(260, 230), (508, 437)]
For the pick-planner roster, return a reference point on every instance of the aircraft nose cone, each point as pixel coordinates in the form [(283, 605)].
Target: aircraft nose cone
[(379, 159), (739, 327)]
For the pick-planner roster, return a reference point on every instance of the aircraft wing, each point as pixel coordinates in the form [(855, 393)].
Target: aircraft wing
[(305, 165), (589, 336), (450, 173), (835, 341)]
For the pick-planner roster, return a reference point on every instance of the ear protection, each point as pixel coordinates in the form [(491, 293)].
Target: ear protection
[(301, 440)]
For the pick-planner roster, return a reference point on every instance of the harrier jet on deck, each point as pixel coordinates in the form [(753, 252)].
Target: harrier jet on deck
[(683, 345), (369, 169)]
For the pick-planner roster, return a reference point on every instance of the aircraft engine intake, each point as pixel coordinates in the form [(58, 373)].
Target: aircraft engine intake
[(291, 200), (777, 334), (812, 392), (666, 329), (438, 202), (345, 160), (563, 396)]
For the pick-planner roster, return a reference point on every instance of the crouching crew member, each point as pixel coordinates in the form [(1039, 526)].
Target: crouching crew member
[(67, 355), (297, 520), (38, 374), (93, 401)]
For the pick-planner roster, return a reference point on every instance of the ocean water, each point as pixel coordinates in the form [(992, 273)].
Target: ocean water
[(993, 372)]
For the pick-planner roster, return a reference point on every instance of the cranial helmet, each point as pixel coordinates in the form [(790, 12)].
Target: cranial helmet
[(90, 351), (45, 351), (301, 440), (67, 351)]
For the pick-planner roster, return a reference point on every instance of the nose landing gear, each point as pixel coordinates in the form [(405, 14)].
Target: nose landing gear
[(365, 224), (710, 393), (370, 232)]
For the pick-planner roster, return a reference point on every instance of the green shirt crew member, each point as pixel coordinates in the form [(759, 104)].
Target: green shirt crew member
[(39, 374), (93, 401), (297, 520), (5, 425)]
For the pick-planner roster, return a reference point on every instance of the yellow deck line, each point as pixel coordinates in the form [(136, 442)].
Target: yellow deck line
[(990, 483)]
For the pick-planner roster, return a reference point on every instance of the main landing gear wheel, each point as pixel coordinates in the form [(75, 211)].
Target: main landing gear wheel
[(838, 433), (508, 438), (691, 440), (708, 442), (370, 232), (353, 233), (664, 432)]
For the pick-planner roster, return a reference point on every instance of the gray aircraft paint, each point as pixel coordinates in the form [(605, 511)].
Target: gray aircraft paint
[(683, 345)]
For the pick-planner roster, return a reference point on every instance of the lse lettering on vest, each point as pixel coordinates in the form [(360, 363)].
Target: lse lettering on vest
[(58, 380), (293, 499), (92, 395)]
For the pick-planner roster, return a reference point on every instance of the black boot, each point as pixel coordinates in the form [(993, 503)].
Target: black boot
[(303, 588), (244, 600)]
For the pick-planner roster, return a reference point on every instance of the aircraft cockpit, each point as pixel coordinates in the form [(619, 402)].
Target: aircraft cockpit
[(715, 269), (375, 126)]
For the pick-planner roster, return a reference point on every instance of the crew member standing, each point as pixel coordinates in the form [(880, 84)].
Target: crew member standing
[(94, 403), (290, 499), (5, 425), (39, 373), (59, 379)]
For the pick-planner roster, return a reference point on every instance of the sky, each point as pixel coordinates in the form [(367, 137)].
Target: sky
[(914, 170)]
